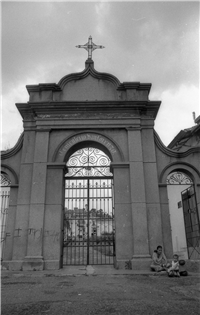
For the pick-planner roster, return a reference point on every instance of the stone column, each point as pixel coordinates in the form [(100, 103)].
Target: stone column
[(141, 257), (166, 224), (53, 224), (122, 212), (34, 256), (23, 202), (155, 222)]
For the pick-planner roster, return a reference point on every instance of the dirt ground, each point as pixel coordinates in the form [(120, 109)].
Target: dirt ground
[(100, 294)]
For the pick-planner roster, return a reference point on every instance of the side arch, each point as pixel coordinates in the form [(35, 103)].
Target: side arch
[(182, 223), (168, 202), (11, 152), (82, 139), (185, 167), (11, 173)]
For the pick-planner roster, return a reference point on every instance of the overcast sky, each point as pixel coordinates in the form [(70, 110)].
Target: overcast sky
[(150, 42)]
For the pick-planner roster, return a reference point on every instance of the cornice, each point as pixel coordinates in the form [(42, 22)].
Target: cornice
[(134, 86), (119, 165), (7, 154), (86, 105), (56, 166), (171, 152), (43, 87), (33, 109)]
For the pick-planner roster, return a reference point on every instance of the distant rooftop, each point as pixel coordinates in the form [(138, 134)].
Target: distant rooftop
[(184, 135)]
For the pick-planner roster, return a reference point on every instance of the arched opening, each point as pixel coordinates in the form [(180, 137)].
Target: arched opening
[(89, 233), (5, 183), (184, 215)]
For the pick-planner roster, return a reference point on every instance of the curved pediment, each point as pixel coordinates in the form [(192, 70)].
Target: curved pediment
[(89, 85)]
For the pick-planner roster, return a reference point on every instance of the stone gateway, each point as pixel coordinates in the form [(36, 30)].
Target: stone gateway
[(89, 178)]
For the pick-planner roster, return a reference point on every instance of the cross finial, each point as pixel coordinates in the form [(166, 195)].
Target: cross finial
[(90, 46)]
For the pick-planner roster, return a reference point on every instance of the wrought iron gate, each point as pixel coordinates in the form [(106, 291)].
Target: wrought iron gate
[(191, 219), (4, 204), (89, 232)]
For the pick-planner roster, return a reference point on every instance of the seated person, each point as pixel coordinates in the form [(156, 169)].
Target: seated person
[(159, 261), (173, 270)]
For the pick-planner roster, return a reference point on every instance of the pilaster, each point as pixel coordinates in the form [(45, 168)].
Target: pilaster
[(166, 223), (53, 224), (23, 202), (123, 216), (152, 190), (34, 253), (138, 199)]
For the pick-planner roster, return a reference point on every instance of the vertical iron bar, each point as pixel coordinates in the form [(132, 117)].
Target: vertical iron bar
[(108, 200), (104, 184), (79, 222), (113, 219), (75, 214), (93, 219), (85, 213), (97, 208), (88, 226), (68, 203), (100, 214)]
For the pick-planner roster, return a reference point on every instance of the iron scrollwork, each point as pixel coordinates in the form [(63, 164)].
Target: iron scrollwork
[(178, 178), (88, 162), (5, 181)]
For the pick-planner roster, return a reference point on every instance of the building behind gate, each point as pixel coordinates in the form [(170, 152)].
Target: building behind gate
[(71, 206)]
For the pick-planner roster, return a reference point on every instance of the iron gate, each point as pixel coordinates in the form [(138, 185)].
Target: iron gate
[(88, 222), (89, 232), (4, 205), (191, 219), (4, 201)]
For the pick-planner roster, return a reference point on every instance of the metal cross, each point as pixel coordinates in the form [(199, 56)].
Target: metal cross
[(90, 46)]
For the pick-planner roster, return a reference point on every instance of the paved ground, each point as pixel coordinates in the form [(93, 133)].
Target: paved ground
[(98, 290)]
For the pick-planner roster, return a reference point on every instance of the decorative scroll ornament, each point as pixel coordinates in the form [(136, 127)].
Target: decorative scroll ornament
[(178, 178), (5, 181), (89, 162)]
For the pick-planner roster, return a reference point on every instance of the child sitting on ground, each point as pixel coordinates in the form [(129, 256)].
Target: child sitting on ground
[(173, 271)]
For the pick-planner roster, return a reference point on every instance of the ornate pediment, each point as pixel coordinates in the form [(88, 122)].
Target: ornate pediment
[(89, 85)]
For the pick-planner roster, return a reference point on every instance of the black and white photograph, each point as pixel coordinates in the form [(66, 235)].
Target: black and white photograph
[(100, 157)]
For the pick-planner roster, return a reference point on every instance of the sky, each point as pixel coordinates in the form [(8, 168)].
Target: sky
[(149, 42)]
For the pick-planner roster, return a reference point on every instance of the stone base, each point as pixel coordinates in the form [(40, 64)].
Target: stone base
[(192, 265), (33, 263), (141, 262), (136, 263), (52, 264), (120, 264), (12, 265)]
